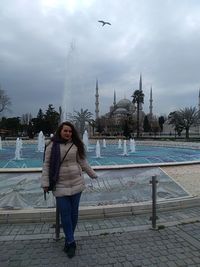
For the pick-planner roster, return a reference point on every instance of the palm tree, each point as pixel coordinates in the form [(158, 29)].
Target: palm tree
[(93, 124), (138, 97), (174, 119), (184, 119), (81, 118)]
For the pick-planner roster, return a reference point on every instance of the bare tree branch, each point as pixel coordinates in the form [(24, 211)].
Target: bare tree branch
[(4, 100)]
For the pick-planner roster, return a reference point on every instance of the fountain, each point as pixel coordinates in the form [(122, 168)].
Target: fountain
[(0, 143), (119, 143), (132, 145), (18, 149), (98, 150), (144, 154), (125, 153), (69, 85), (116, 184), (104, 143), (41, 142), (85, 140)]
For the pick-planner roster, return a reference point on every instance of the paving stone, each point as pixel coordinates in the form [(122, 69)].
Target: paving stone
[(173, 246)]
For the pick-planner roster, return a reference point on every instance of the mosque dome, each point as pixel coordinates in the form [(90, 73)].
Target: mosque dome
[(124, 103), (124, 107), (120, 111)]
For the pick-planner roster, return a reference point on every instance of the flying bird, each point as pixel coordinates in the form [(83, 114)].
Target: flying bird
[(104, 22)]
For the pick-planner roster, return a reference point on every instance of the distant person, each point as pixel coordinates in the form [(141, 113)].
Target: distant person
[(64, 160)]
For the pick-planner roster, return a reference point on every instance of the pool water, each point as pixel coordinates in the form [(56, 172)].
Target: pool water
[(110, 155), (144, 154)]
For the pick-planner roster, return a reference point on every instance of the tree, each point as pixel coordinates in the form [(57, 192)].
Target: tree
[(81, 118), (146, 124), (100, 124), (11, 124), (138, 98), (189, 117), (51, 120), (26, 118), (4, 100), (155, 125), (30, 130), (161, 121), (184, 119), (126, 129), (93, 124), (174, 119), (25, 122), (39, 122)]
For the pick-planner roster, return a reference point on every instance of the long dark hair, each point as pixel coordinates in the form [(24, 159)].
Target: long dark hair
[(75, 138)]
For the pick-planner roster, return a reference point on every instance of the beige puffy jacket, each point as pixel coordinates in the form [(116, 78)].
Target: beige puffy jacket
[(70, 180)]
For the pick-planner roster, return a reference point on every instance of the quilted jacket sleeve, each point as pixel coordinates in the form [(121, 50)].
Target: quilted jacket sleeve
[(86, 167), (45, 168)]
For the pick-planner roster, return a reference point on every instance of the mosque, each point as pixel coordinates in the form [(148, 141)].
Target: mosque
[(125, 108), (122, 109)]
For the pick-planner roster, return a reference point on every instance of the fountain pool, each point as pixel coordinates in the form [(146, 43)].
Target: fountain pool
[(22, 190), (117, 184), (112, 154)]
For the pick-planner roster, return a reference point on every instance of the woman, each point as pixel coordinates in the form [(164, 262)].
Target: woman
[(64, 160)]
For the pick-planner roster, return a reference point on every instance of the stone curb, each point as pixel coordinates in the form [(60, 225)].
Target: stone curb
[(95, 212), (98, 232)]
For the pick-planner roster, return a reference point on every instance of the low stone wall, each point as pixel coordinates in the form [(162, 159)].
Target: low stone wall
[(49, 215)]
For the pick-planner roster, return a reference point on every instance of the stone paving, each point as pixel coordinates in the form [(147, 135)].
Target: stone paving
[(121, 241)]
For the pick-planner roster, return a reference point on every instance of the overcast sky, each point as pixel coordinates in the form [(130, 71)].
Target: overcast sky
[(50, 49)]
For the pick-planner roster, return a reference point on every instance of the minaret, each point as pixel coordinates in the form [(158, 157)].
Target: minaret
[(114, 101), (97, 101), (151, 105), (140, 83), (199, 110), (199, 100), (140, 88)]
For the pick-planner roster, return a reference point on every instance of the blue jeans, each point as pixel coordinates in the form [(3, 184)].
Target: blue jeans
[(68, 208)]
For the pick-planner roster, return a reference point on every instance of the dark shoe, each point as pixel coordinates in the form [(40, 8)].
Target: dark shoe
[(66, 248), (71, 250)]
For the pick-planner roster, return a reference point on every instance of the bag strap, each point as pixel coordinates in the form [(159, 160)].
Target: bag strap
[(66, 154)]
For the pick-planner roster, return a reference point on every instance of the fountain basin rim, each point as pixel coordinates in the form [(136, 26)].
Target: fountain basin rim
[(106, 167), (92, 212)]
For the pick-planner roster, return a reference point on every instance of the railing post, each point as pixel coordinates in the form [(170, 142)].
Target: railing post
[(153, 218), (57, 226)]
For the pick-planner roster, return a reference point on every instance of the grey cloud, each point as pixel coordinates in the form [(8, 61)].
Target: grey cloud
[(159, 39)]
